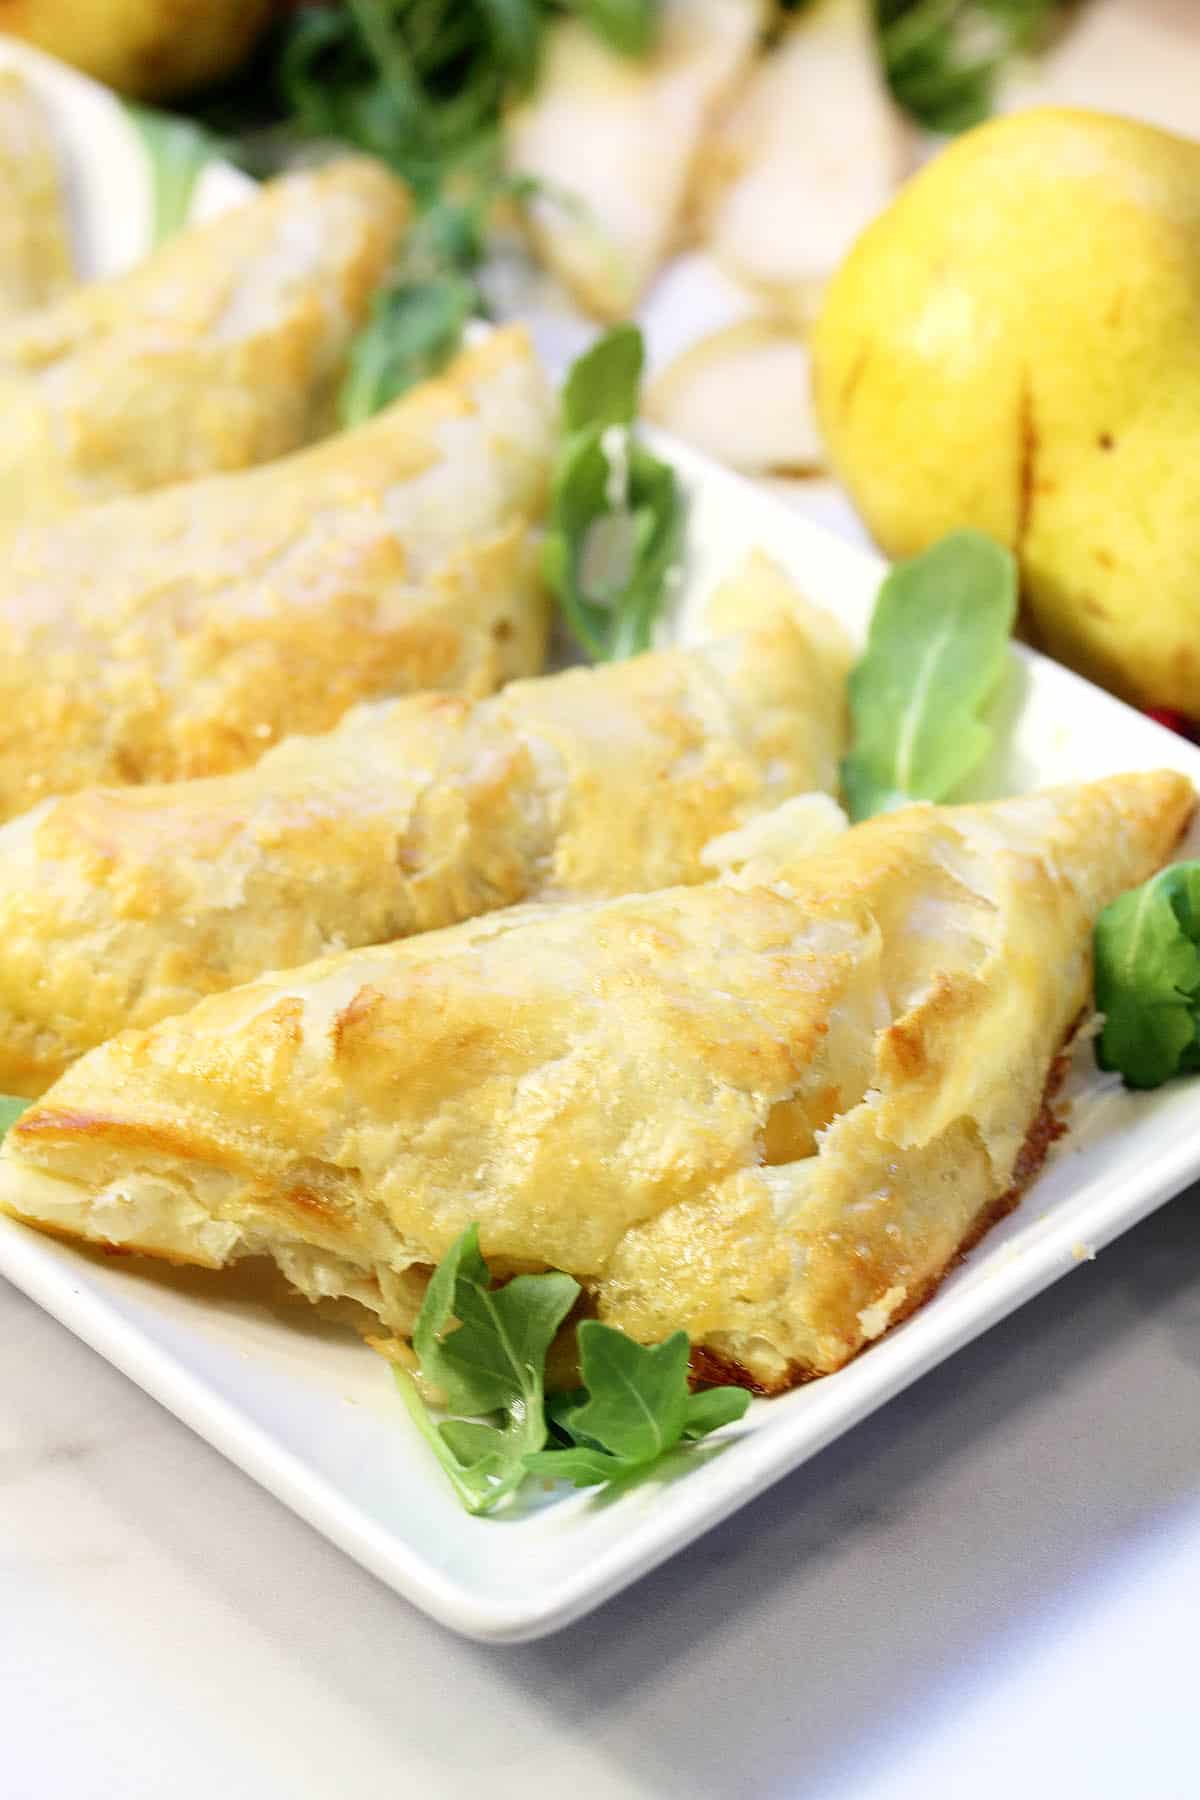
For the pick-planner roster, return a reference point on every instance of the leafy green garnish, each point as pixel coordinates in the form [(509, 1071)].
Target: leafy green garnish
[(942, 58), (628, 25), (485, 1348), (421, 83), (616, 510), (935, 654), (1147, 947), (10, 1111), (178, 150), (601, 388), (417, 320), (636, 1407), (414, 329), (492, 1361)]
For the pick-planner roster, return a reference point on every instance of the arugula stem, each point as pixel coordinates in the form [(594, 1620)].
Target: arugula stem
[(390, 55), (423, 1421), (475, 1498)]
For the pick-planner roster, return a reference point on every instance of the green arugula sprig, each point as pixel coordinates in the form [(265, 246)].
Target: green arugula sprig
[(1147, 953), (484, 1347), (414, 329), (417, 321), (616, 510), (178, 150), (935, 654), (943, 58), (11, 1109), (634, 1406), (492, 1363)]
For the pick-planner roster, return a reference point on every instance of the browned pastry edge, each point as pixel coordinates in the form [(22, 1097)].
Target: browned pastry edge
[(707, 1368)]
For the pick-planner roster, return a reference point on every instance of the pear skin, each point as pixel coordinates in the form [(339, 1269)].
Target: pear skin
[(1015, 345), (145, 48)]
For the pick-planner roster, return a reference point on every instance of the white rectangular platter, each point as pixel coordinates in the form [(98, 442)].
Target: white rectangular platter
[(312, 1414)]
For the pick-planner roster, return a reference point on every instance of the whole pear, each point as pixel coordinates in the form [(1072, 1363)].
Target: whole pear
[(1014, 344), (151, 49)]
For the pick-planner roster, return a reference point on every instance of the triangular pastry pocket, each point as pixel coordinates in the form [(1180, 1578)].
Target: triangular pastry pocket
[(223, 348), (771, 1114), (180, 634)]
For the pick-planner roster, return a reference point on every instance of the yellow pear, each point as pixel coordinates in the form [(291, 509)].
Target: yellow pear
[(1015, 345), (148, 48)]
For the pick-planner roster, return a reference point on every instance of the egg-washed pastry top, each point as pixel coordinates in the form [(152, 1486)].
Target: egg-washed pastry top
[(119, 906), (223, 348), (35, 232), (180, 634), (769, 1110)]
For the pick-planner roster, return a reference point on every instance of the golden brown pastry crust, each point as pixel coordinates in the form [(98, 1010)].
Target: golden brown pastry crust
[(35, 240), (180, 634), (768, 1112), (121, 906), (223, 349)]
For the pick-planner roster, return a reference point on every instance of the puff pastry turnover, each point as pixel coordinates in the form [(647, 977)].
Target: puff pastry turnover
[(770, 1110), (179, 634), (35, 238), (119, 906), (222, 349)]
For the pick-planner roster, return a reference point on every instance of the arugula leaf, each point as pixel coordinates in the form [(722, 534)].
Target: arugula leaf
[(499, 1348), (419, 85), (10, 1111), (491, 1361), (637, 1393), (1147, 950), (935, 654), (637, 1408), (628, 25), (616, 510), (417, 321), (602, 385), (414, 329), (485, 1348), (470, 1477), (515, 29), (471, 1440), (178, 151), (942, 58), (580, 1465), (711, 1408)]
